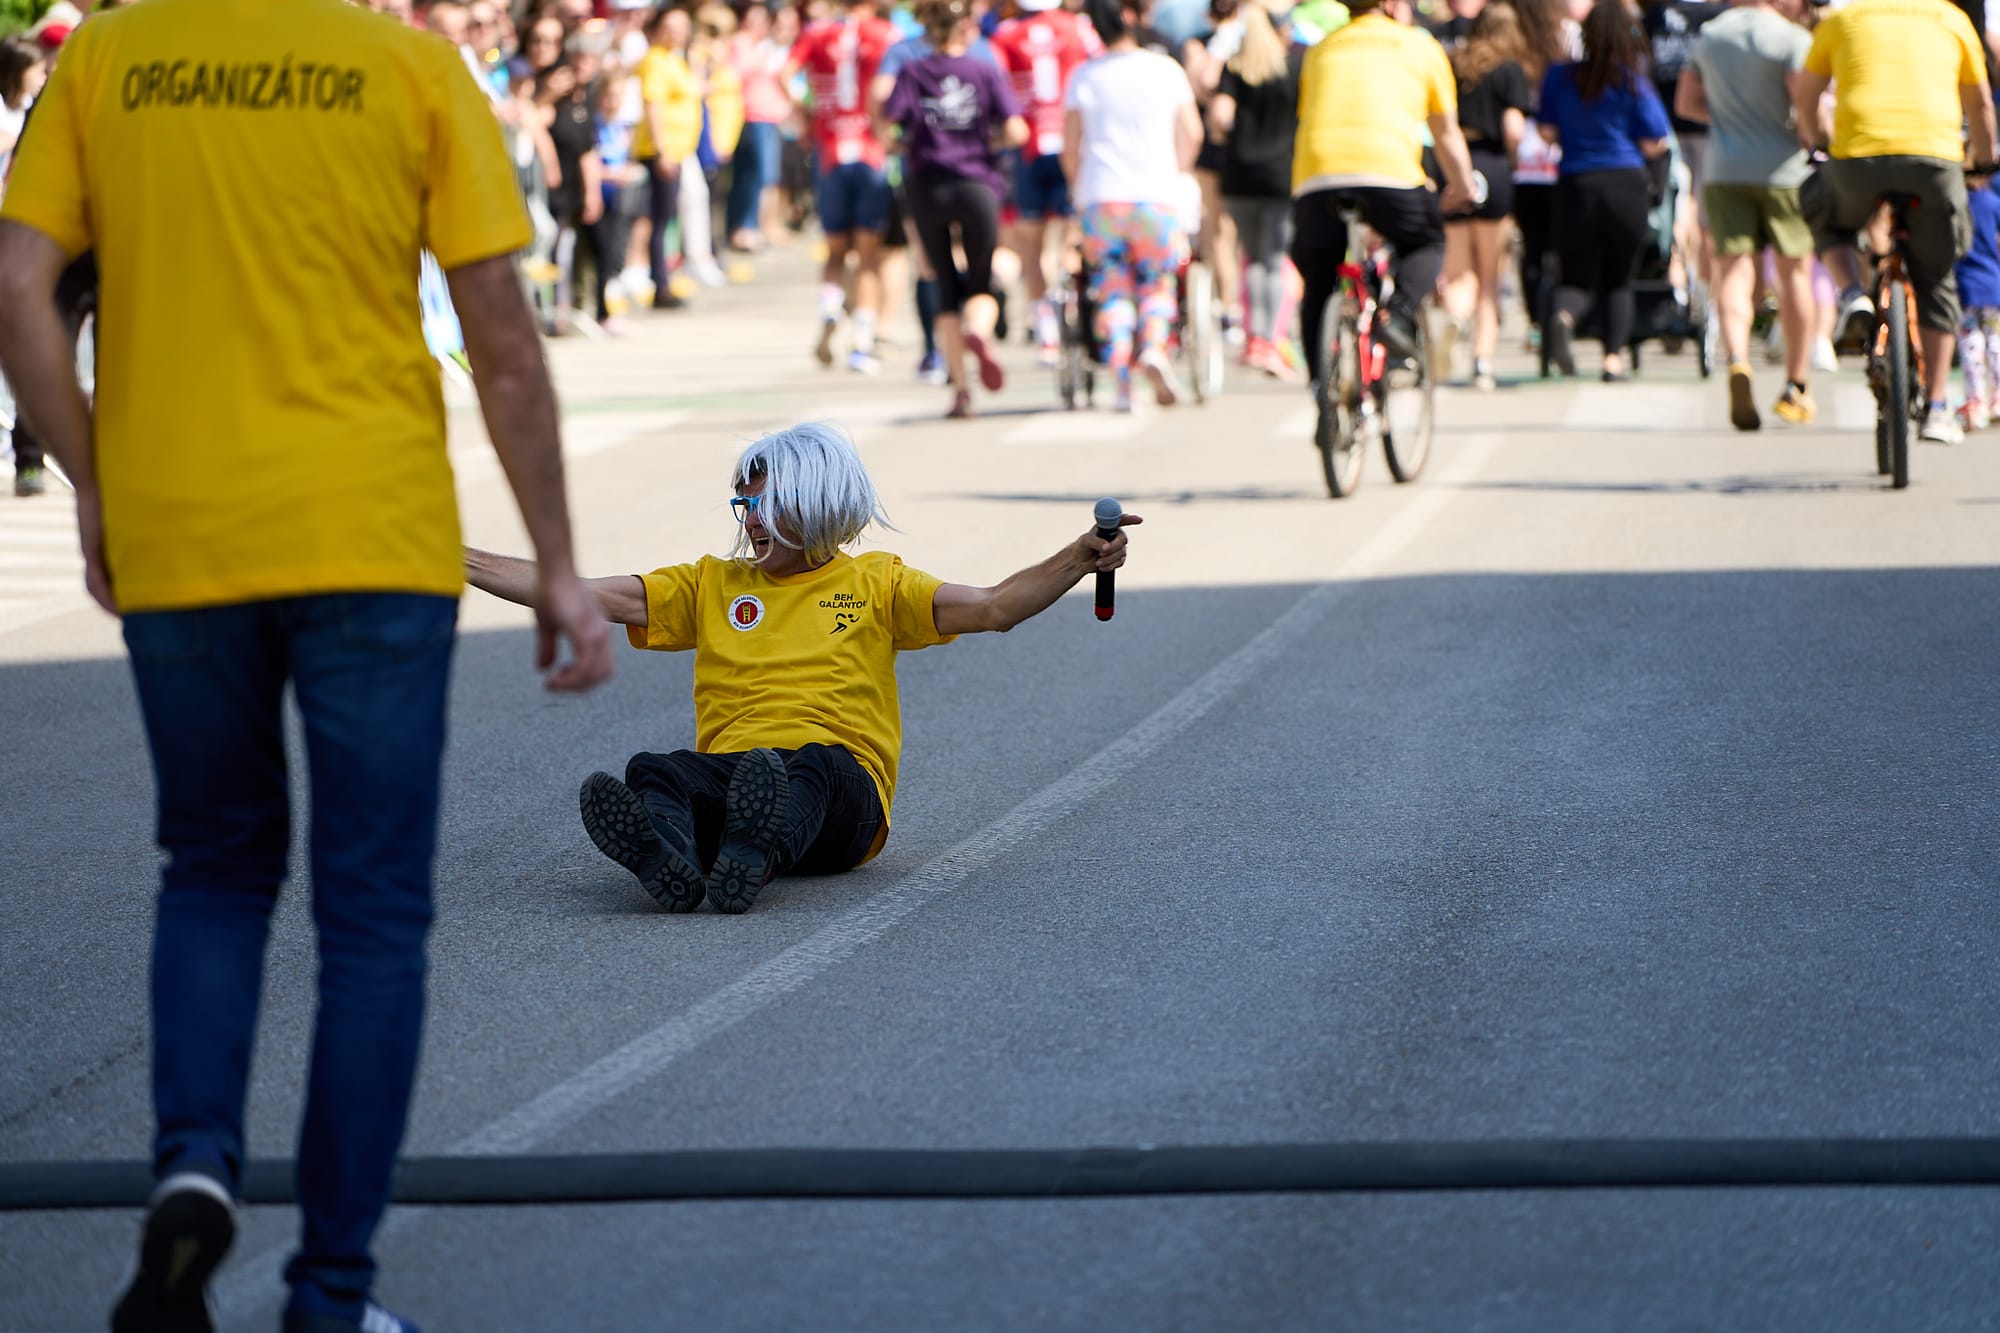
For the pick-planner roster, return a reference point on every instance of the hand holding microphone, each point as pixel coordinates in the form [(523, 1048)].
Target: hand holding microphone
[(1107, 546)]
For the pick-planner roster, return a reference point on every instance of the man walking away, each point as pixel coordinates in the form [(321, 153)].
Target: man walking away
[(263, 495), (1738, 81)]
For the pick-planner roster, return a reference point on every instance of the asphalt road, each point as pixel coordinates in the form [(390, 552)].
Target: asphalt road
[(1624, 777)]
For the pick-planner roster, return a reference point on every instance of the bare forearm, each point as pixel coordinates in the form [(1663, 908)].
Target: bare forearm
[(40, 365), (1035, 589), (507, 577), (1454, 158)]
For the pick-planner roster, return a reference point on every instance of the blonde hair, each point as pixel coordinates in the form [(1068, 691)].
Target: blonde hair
[(1263, 58)]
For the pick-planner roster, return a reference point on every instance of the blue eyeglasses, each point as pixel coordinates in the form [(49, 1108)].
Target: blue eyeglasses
[(744, 505)]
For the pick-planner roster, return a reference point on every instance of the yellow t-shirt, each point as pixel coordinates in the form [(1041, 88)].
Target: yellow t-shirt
[(786, 662), (724, 101), (1897, 66), (665, 79), (1364, 96), (259, 182)]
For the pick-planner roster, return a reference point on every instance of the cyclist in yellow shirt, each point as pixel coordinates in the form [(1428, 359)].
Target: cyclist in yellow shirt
[(1366, 96), (1907, 74), (797, 726)]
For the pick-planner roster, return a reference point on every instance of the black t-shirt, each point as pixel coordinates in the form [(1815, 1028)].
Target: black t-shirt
[(1670, 31), (1259, 165), (1482, 105), (574, 133), (1451, 30)]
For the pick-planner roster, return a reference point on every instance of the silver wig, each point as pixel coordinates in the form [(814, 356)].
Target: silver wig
[(815, 484)]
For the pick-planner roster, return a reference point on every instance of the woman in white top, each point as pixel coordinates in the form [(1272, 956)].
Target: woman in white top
[(1130, 133), (22, 71)]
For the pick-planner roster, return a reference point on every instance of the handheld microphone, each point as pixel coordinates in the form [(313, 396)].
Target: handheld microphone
[(1107, 513)]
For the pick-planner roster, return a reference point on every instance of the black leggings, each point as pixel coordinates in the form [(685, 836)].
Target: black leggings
[(663, 199), (940, 204), (1534, 214), (1409, 221), (1600, 227), (833, 815)]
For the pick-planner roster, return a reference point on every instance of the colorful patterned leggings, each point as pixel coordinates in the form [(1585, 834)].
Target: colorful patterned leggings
[(1134, 251), (1979, 352)]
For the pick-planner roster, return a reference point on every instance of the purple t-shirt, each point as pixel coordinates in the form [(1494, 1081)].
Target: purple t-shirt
[(950, 108)]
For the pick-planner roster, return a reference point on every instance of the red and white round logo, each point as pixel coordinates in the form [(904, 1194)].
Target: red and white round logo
[(746, 612)]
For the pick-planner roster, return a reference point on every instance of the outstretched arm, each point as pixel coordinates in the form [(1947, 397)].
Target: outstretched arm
[(622, 597), (961, 609)]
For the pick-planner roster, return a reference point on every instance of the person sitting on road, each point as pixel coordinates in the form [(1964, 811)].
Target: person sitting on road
[(797, 727), (1366, 95), (1908, 73)]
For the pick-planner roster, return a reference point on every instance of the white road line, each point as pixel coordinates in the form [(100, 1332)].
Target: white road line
[(252, 1289)]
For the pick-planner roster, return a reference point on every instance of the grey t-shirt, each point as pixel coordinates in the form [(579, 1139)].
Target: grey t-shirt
[(1743, 57)]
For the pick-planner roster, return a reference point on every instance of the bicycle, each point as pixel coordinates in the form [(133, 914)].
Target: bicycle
[(1200, 335), (1363, 393), (1895, 360)]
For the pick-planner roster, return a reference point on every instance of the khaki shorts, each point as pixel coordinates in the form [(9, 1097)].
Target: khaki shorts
[(1744, 219)]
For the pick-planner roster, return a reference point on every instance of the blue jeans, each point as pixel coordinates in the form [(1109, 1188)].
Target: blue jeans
[(370, 672), (753, 169)]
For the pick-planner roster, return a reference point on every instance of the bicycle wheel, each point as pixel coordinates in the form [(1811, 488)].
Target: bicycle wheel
[(1406, 399), (1338, 394), (1895, 405), (1203, 344), (1071, 369)]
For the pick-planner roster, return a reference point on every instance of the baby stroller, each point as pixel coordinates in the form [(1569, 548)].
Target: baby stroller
[(1669, 300)]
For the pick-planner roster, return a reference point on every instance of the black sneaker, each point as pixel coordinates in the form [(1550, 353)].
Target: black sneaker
[(1399, 335), (666, 299), (374, 1319), (189, 1226), (29, 481), (1562, 352), (760, 795), (621, 826)]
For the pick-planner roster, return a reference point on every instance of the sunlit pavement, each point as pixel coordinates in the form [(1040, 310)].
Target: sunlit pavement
[(1625, 776)]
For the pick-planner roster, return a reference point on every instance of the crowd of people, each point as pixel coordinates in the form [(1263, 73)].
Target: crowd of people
[(958, 154)]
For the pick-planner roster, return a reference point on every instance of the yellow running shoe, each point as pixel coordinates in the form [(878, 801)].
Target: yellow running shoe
[(1742, 398), (1795, 405)]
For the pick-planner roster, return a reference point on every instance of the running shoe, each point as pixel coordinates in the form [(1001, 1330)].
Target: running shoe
[(863, 363), (1482, 377), (1795, 405), (961, 406), (1824, 358), (1857, 316), (823, 349), (1742, 398), (1166, 384), (992, 375), (374, 1319), (931, 369), (1974, 415), (190, 1225), (1940, 428), (29, 481)]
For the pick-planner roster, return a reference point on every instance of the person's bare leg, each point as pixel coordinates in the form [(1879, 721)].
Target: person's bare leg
[(1461, 281), (1224, 256), (867, 290), (951, 343), (1030, 238), (1937, 345), (1797, 315), (1733, 292), (1489, 250)]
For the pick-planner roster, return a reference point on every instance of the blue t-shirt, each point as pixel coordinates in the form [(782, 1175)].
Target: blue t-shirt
[(1603, 135), (1979, 271)]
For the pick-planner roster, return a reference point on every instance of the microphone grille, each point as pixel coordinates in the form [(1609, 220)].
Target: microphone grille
[(1108, 512)]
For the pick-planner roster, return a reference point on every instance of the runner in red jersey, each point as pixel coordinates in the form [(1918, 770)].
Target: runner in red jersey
[(1040, 49), (839, 57)]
